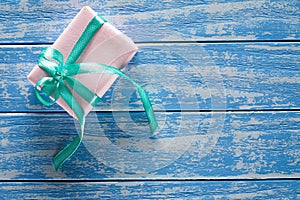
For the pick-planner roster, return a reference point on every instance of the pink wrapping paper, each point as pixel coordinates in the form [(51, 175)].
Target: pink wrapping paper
[(108, 46)]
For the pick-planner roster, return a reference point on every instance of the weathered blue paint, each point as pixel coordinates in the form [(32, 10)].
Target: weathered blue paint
[(252, 87), (154, 190), (145, 20), (250, 145), (251, 77)]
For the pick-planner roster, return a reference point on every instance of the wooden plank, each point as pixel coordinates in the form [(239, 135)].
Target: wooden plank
[(43, 21), (188, 145), (247, 76), (153, 190)]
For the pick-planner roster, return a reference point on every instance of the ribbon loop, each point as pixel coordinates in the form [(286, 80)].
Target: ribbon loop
[(49, 87)]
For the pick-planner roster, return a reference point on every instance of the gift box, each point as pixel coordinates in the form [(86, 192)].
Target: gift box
[(108, 46), (80, 67)]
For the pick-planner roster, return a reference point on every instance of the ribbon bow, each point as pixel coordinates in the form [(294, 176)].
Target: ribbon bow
[(60, 81)]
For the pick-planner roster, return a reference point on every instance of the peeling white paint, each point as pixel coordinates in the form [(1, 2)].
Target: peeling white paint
[(274, 48), (4, 142)]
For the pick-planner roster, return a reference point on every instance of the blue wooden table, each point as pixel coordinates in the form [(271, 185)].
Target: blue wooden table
[(224, 80)]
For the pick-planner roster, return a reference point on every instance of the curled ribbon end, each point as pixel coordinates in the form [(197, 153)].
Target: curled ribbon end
[(55, 165), (153, 126), (58, 162), (68, 151)]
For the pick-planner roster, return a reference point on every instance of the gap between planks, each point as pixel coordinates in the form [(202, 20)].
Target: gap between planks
[(212, 179), (55, 112), (145, 43)]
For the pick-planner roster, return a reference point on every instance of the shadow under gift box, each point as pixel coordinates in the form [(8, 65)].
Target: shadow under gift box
[(108, 46)]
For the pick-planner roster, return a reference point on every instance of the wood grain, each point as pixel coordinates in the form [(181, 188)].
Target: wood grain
[(227, 106), (228, 76), (188, 145), (153, 190), (148, 21)]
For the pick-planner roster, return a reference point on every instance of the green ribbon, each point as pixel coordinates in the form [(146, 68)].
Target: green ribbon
[(60, 81)]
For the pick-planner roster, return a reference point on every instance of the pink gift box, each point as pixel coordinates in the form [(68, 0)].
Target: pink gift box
[(108, 46)]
